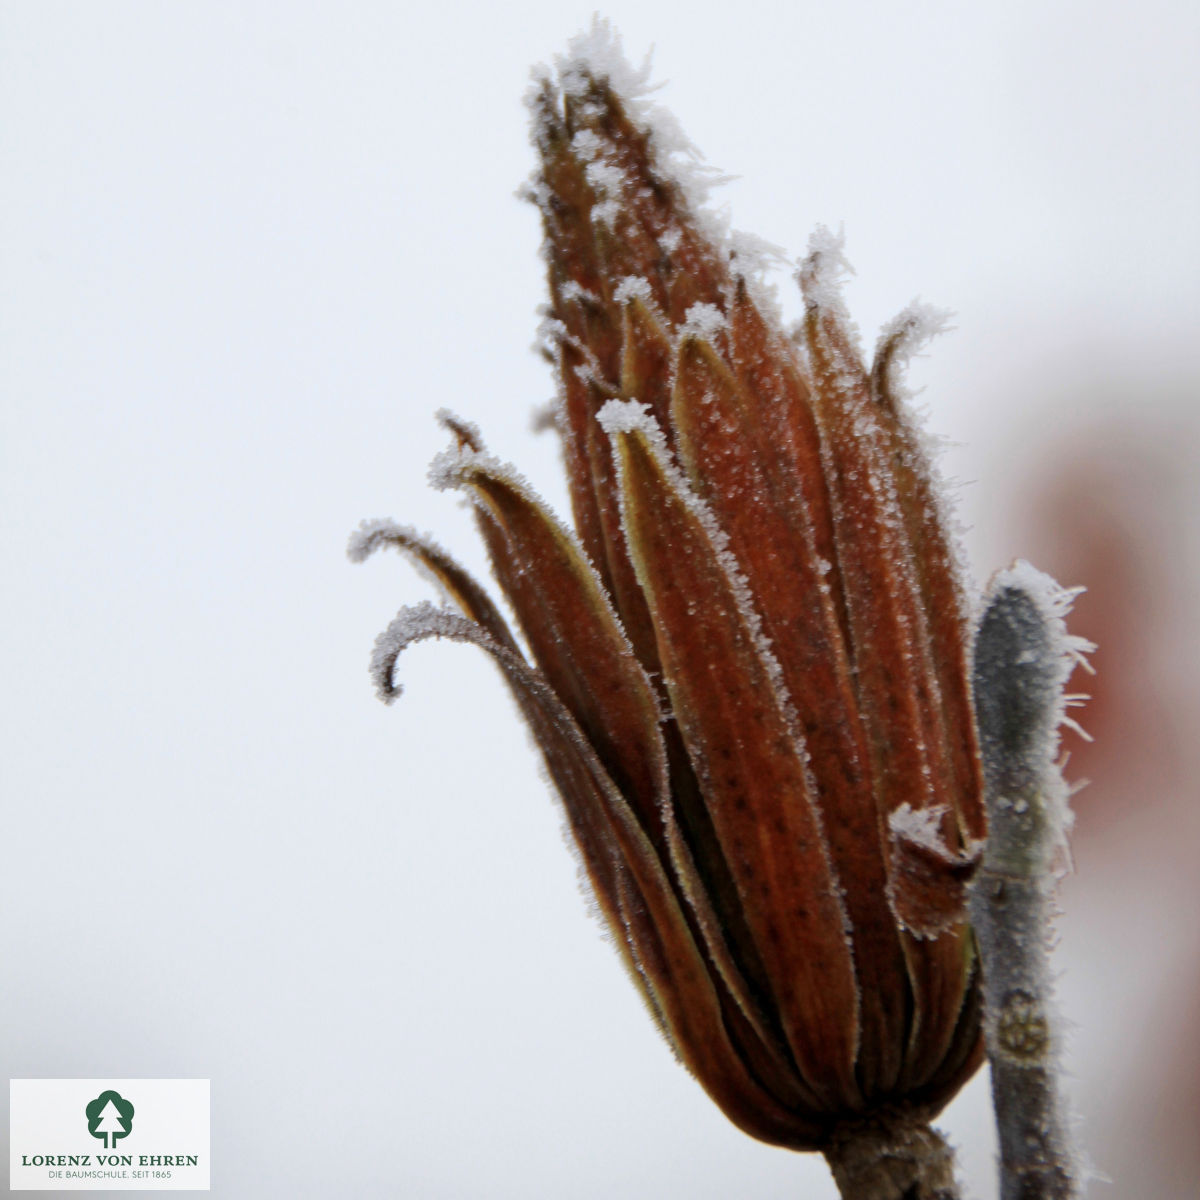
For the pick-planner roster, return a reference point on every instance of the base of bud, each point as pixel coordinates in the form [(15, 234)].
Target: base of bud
[(892, 1157)]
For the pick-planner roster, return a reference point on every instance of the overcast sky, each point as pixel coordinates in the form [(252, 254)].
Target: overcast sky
[(247, 249)]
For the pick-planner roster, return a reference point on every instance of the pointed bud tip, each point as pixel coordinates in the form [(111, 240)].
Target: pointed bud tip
[(597, 56), (824, 267), (908, 332), (1052, 602)]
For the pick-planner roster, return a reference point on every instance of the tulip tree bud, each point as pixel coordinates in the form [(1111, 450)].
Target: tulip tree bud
[(746, 661)]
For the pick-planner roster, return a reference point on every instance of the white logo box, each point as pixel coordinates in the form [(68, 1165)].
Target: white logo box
[(166, 1147)]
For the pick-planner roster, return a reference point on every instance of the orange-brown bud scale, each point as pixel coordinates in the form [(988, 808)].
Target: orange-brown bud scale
[(747, 668)]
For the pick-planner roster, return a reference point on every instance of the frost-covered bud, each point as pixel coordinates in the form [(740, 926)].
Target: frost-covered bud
[(1023, 657), (747, 664)]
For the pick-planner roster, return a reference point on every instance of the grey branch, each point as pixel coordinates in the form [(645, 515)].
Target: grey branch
[(1023, 656)]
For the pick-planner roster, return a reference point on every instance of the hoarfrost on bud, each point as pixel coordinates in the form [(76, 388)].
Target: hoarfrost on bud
[(824, 268), (573, 291), (619, 418), (702, 321), (587, 144), (597, 54), (419, 548), (921, 826), (904, 337), (370, 536), (466, 432), (628, 416), (755, 260), (605, 178), (634, 287), (449, 465), (409, 625), (1023, 658), (669, 241), (756, 604)]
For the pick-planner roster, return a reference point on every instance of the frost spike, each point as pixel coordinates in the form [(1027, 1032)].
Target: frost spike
[(1023, 657), (750, 764)]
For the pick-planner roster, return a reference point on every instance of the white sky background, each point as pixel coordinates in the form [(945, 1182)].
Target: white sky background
[(247, 250)]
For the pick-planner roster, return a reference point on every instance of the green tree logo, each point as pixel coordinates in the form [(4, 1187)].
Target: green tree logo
[(110, 1117)]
